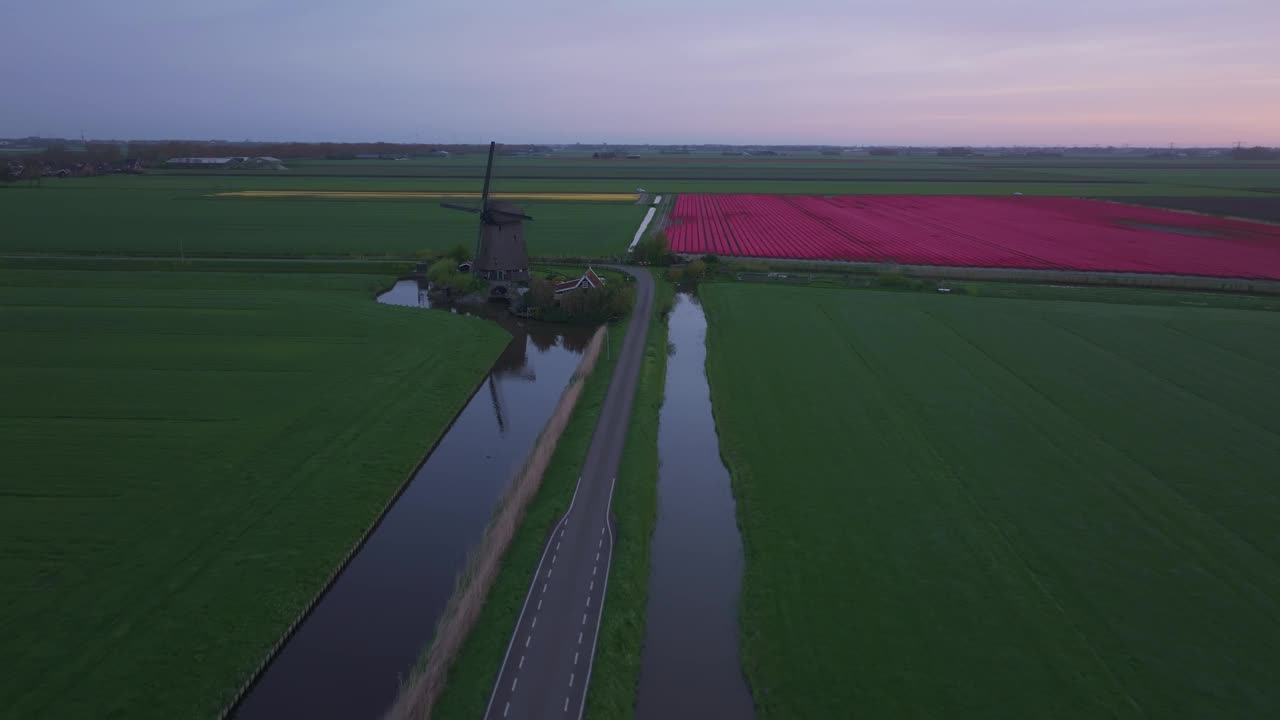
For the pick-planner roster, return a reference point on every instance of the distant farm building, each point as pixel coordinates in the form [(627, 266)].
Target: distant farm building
[(214, 163), (199, 162), (265, 162), (589, 280)]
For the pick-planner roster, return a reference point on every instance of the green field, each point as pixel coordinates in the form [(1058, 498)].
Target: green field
[(188, 456), (158, 215), (1117, 176), (179, 213), (960, 506)]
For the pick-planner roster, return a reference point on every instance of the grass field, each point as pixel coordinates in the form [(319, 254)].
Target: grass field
[(188, 456), (976, 507), (154, 215), (388, 208), (1207, 172)]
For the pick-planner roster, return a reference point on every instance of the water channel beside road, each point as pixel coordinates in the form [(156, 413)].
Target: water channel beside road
[(346, 659), (691, 666)]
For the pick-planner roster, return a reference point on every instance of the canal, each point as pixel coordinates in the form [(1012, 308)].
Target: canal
[(347, 658), (691, 666)]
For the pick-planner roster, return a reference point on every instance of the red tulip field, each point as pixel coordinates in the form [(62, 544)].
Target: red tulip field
[(1011, 232)]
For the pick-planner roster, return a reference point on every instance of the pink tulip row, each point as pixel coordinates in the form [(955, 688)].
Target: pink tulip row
[(1013, 232)]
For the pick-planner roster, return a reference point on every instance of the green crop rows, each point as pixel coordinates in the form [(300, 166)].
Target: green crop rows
[(188, 456), (971, 507)]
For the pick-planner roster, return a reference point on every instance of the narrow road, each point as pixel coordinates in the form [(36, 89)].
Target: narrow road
[(547, 667)]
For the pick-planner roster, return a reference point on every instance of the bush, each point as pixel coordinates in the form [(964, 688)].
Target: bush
[(542, 293), (459, 253), (711, 259), (597, 305), (891, 279), (695, 271), (653, 250), (444, 274)]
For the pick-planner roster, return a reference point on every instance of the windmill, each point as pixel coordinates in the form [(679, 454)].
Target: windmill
[(501, 255)]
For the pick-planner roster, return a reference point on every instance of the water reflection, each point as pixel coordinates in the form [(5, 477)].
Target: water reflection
[(690, 667), (347, 658)]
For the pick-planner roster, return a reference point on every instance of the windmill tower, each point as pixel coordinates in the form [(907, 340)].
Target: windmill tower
[(502, 257)]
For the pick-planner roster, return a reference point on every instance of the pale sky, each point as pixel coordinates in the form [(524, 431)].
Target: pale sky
[(665, 71)]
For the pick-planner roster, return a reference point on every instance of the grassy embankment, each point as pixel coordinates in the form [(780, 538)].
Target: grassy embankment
[(993, 507), (188, 456), (634, 507)]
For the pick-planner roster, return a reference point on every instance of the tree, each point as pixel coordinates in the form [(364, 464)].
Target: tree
[(542, 292), (695, 271), (458, 252), (653, 250), (32, 171), (444, 274)]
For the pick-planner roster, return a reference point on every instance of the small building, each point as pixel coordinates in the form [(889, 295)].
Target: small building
[(200, 162), (266, 162), (589, 280)]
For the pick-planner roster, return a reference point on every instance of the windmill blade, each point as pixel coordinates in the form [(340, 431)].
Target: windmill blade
[(488, 175), (463, 208), (484, 198)]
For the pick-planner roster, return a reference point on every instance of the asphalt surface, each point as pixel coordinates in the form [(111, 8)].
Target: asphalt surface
[(547, 667)]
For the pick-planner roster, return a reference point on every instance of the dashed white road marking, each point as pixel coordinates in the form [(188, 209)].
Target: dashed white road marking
[(584, 618), (534, 624), (539, 603), (575, 658), (566, 703), (553, 559), (527, 638), (506, 708), (513, 683), (601, 543), (579, 638), (597, 560), (570, 679), (593, 571), (549, 572), (521, 665), (557, 546), (544, 587), (588, 603)]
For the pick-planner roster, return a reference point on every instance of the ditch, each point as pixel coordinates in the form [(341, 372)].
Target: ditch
[(348, 656)]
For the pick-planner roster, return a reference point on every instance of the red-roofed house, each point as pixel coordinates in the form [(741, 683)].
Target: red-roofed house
[(589, 279)]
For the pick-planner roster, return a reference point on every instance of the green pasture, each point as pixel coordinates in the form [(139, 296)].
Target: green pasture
[(128, 215), (188, 456), (959, 506)]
